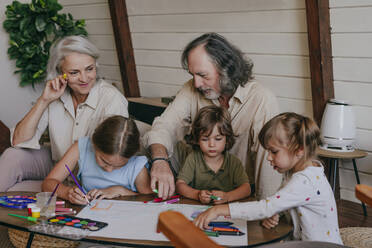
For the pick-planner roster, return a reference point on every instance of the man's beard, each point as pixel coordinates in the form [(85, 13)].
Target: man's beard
[(209, 93)]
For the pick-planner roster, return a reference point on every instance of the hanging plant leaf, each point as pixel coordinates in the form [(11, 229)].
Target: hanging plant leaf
[(32, 28), (40, 23)]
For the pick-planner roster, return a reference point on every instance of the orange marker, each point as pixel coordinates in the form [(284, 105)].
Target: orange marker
[(224, 229)]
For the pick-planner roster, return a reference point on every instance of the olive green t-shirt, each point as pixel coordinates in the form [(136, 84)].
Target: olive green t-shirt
[(197, 174)]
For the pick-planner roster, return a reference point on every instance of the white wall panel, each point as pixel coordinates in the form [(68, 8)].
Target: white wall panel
[(349, 3), (150, 7), (352, 69), (262, 22), (99, 27), (250, 43), (93, 12), (80, 2), (354, 92), (303, 107), (351, 20), (352, 45), (297, 88)]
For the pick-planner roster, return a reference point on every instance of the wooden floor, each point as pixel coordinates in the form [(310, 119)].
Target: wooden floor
[(351, 214)]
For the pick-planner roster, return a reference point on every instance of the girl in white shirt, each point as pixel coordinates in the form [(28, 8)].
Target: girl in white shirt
[(291, 141)]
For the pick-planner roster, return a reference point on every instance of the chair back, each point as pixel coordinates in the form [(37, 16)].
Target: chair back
[(182, 232), (364, 193)]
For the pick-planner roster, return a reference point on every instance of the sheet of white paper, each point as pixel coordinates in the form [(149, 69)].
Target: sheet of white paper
[(126, 218)]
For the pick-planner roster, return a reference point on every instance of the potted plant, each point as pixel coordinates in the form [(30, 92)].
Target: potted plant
[(32, 28)]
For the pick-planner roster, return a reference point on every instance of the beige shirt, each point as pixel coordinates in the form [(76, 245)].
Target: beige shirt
[(250, 107), (66, 127)]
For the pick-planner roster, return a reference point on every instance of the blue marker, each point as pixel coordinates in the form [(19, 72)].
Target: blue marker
[(220, 223)]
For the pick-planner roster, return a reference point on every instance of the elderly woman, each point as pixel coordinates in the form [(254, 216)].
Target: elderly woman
[(72, 104)]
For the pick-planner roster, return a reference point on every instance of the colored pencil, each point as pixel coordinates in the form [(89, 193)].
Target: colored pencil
[(77, 184)]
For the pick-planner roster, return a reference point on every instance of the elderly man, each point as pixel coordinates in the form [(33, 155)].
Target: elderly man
[(221, 76)]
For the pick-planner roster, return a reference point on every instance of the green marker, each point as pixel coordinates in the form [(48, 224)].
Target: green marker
[(215, 198), (210, 233), (155, 191), (24, 217)]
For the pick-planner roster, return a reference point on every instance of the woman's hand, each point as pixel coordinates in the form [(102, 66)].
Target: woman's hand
[(271, 222), (54, 89), (205, 196), (220, 195), (75, 196)]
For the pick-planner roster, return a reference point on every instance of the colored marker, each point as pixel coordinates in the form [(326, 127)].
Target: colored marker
[(215, 198), (239, 233), (209, 233), (66, 212), (220, 223), (225, 229), (60, 202), (63, 209), (155, 191), (172, 201), (77, 184), (24, 217)]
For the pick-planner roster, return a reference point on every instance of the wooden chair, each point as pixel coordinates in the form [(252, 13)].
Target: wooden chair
[(364, 193), (359, 236), (182, 232)]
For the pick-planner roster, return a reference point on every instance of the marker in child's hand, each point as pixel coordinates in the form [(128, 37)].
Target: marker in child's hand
[(217, 198)]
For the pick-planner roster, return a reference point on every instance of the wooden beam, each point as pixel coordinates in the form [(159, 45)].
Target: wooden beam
[(320, 53), (120, 24)]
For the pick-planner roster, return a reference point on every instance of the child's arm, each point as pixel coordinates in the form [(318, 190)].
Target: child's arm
[(142, 183), (110, 192), (200, 195), (207, 216), (59, 173), (240, 192)]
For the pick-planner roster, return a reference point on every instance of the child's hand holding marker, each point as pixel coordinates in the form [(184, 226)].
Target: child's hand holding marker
[(205, 196), (219, 197)]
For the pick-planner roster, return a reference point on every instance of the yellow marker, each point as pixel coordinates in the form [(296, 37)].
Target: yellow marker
[(64, 76)]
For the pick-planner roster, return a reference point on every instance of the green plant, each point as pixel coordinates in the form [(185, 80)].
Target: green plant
[(32, 29)]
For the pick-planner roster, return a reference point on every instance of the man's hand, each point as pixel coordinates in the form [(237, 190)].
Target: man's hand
[(162, 177)]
